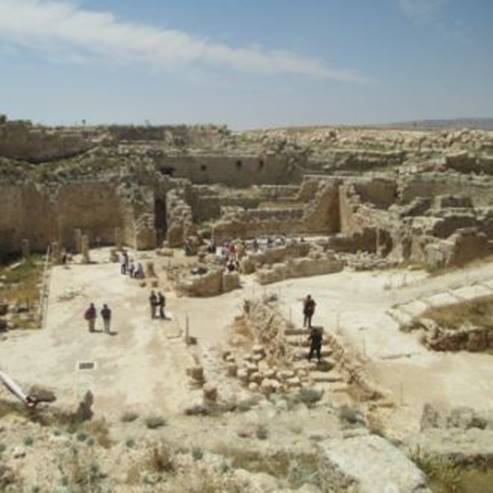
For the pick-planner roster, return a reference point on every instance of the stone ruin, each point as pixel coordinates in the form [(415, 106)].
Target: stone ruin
[(377, 197)]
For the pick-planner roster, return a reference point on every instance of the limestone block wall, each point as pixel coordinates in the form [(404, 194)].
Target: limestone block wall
[(322, 214), (239, 171), (479, 188), (48, 213), (24, 141)]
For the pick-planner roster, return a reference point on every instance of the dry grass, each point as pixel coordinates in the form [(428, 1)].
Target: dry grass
[(22, 282), (295, 469), (478, 312), (160, 459), (242, 334)]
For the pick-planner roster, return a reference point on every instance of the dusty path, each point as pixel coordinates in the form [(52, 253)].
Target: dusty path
[(357, 304), (141, 366)]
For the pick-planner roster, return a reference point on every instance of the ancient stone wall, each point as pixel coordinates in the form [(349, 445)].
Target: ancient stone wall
[(44, 214), (233, 171), (479, 188), (23, 141)]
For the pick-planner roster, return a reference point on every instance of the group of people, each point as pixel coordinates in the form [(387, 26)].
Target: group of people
[(91, 315), (157, 301), (129, 267), (316, 336)]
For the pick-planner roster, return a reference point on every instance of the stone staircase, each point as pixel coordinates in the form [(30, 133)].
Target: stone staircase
[(322, 375)]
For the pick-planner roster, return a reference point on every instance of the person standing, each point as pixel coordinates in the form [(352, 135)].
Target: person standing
[(308, 311), (161, 301), (315, 344), (106, 315), (153, 301), (90, 315), (125, 262)]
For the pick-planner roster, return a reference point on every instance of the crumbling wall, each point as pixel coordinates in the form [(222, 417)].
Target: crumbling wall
[(478, 188), (315, 265), (52, 212), (234, 171), (23, 141)]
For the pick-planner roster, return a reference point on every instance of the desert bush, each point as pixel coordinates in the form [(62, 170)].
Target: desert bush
[(160, 459), (443, 471), (29, 441), (99, 429), (81, 436), (128, 417), (154, 422), (308, 396), (261, 432), (350, 415), (80, 471), (197, 453)]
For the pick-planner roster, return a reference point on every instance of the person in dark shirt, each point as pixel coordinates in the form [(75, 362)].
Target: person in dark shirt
[(161, 301), (153, 301), (315, 339), (308, 311), (90, 315), (106, 315)]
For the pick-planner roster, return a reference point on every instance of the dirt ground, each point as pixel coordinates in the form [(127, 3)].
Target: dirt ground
[(142, 365)]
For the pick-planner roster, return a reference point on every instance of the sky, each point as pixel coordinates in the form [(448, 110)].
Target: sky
[(245, 63)]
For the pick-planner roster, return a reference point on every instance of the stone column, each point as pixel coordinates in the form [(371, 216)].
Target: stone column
[(118, 239), (26, 248), (55, 253), (78, 240), (85, 249)]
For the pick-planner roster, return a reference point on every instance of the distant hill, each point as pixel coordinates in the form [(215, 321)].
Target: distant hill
[(473, 123)]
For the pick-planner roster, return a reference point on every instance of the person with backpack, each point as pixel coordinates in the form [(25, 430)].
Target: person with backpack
[(106, 316), (90, 316)]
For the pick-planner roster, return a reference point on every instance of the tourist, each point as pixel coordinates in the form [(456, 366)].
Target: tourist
[(125, 261), (308, 311), (106, 315), (315, 340), (153, 301), (131, 268), (90, 315), (161, 301), (211, 247), (139, 272), (230, 266), (255, 245)]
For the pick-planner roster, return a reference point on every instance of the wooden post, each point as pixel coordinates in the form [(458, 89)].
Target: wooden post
[(187, 330)]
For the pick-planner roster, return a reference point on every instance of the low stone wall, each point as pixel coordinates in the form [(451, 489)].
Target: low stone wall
[(300, 267), (474, 339), (462, 247), (216, 281)]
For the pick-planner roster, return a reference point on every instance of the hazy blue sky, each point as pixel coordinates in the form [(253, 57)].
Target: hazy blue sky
[(247, 63)]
